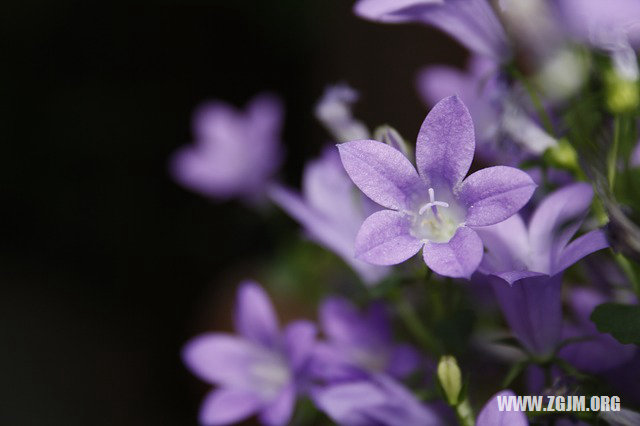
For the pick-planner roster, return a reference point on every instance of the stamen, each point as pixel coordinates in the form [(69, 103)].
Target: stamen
[(432, 203)]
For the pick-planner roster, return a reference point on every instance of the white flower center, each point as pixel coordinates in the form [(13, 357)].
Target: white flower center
[(436, 221), (269, 375)]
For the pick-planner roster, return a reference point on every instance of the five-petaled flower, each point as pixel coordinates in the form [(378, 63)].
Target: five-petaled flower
[(435, 207), (235, 152), (260, 371)]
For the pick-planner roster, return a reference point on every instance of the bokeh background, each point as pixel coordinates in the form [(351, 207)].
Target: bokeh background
[(107, 266)]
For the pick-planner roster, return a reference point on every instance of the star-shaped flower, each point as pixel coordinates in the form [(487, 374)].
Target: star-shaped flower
[(434, 207), (259, 371)]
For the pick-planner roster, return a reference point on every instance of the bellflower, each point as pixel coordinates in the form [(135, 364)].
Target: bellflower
[(635, 156), (435, 207), (613, 26), (490, 415), (494, 108), (472, 22), (378, 400), (359, 344), (258, 371), (330, 210), (526, 264), (235, 152)]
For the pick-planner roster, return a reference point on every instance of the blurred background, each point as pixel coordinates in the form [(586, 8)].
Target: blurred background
[(106, 265)]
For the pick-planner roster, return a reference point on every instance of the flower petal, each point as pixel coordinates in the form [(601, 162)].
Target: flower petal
[(458, 258), (326, 232), (581, 247), (226, 406), (391, 10), (533, 309), (404, 361), (384, 174), (494, 194), (490, 415), (384, 239), (278, 413), (300, 338), (222, 359), (556, 209), (446, 143), (347, 403), (255, 317), (507, 245)]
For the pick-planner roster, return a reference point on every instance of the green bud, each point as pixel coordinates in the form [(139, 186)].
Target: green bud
[(391, 137), (562, 155), (450, 378), (622, 94)]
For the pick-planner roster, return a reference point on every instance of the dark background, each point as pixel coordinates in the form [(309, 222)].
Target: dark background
[(106, 266)]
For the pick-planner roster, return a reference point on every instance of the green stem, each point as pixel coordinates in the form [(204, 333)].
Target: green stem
[(465, 413), (613, 155), (411, 320), (535, 99)]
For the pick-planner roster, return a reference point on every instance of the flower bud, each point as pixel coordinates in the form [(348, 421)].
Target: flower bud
[(391, 137), (562, 155), (621, 93), (450, 378)]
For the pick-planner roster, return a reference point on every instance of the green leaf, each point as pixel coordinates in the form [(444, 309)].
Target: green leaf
[(621, 321)]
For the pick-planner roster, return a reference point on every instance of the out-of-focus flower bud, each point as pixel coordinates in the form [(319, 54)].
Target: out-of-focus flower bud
[(562, 155), (450, 378), (622, 94), (391, 137)]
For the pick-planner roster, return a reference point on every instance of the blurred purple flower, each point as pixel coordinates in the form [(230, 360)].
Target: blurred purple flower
[(235, 152), (635, 156), (601, 352), (490, 415), (433, 208), (472, 22), (259, 371), (526, 265), (359, 344), (613, 26), (331, 210), (334, 112), (378, 400), (498, 120)]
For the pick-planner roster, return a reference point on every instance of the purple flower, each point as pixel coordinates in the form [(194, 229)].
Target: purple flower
[(635, 156), (359, 344), (330, 210), (526, 265), (490, 415), (472, 22), (259, 371), (378, 400), (434, 207), (235, 152), (499, 120), (611, 25), (602, 352), (334, 112)]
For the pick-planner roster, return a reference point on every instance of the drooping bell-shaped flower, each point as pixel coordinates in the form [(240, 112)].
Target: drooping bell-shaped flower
[(259, 371), (526, 264), (377, 400), (235, 152), (331, 210), (359, 344), (472, 22), (434, 207)]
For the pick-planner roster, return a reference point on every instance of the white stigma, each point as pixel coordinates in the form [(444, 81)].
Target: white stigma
[(432, 202)]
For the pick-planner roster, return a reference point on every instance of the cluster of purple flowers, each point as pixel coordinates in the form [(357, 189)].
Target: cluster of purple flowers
[(377, 201)]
